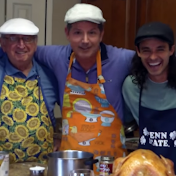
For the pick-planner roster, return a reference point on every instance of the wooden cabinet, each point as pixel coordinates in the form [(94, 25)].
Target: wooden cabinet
[(157, 10), (124, 17)]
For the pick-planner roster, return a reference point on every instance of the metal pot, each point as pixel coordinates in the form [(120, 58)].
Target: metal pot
[(62, 162)]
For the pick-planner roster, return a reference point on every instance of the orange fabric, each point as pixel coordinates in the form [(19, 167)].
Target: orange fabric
[(90, 123)]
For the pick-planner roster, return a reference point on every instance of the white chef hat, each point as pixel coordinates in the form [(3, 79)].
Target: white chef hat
[(19, 26), (84, 12)]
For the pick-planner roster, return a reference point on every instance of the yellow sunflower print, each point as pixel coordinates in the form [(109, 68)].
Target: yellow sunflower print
[(49, 138), (21, 91), (45, 145), (50, 134), (13, 96), (19, 153), (41, 133), (27, 142), (4, 132), (25, 101), (43, 108), (14, 138), (20, 160), (50, 150), (32, 109), (33, 123), (9, 80), (19, 115), (6, 107), (45, 120), (21, 131), (31, 84), (12, 158), (20, 80), (42, 156), (51, 131), (34, 159), (4, 92), (7, 146), (1, 149), (7, 120), (36, 93), (33, 149)]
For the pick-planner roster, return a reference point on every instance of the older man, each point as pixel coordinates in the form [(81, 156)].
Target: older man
[(27, 95)]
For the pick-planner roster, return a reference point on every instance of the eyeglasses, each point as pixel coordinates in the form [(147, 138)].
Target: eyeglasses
[(15, 39)]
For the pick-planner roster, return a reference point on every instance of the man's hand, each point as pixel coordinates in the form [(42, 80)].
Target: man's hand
[(57, 143)]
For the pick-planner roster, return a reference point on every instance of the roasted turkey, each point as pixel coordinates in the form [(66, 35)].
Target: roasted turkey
[(143, 163)]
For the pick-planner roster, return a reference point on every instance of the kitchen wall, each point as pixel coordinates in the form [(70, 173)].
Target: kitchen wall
[(60, 7)]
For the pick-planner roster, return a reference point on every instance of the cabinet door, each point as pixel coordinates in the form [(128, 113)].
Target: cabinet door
[(157, 10), (33, 10), (124, 17), (120, 26)]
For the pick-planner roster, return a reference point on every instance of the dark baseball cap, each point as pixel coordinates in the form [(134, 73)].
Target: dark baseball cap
[(155, 29)]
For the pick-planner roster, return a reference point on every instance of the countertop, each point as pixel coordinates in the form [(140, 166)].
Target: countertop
[(22, 169)]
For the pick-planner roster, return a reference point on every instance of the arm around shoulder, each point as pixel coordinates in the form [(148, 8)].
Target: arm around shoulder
[(51, 55), (128, 56)]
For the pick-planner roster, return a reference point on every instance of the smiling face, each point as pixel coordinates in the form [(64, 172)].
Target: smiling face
[(155, 54), (85, 38), (19, 48)]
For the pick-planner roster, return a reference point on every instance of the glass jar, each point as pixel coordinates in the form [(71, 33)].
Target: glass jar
[(106, 165)]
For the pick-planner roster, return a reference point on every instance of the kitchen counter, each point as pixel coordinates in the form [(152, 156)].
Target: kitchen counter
[(22, 169)]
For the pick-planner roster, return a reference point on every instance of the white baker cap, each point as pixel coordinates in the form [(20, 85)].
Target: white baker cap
[(84, 12), (19, 26)]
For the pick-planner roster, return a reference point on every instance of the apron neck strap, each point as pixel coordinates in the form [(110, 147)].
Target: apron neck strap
[(140, 96), (71, 60), (99, 69)]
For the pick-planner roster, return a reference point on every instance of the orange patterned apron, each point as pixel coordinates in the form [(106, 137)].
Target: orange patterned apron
[(90, 123)]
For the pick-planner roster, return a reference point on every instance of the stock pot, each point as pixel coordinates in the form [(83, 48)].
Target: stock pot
[(62, 162)]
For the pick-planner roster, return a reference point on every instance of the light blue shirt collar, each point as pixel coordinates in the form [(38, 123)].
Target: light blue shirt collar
[(12, 71)]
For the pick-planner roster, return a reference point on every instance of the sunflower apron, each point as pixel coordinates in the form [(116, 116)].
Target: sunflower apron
[(90, 123), (26, 131)]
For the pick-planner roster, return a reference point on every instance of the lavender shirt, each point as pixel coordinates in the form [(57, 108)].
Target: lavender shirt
[(116, 63)]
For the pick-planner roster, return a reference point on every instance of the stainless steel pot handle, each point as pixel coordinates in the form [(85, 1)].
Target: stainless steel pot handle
[(91, 161)]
